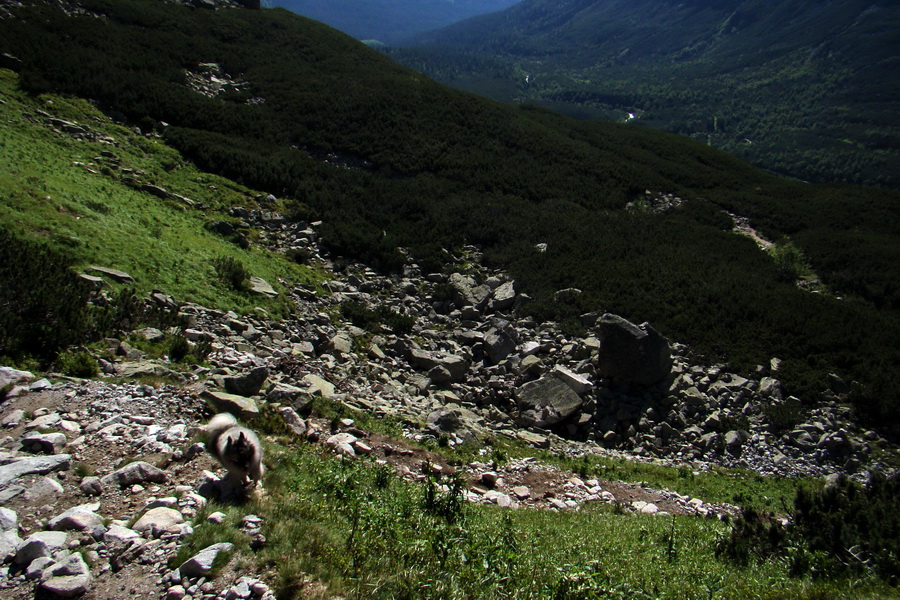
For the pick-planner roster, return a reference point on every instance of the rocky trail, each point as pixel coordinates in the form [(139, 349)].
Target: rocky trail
[(100, 480)]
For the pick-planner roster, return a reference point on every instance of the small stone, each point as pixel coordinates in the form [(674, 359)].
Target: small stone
[(176, 592), (216, 517), (201, 563)]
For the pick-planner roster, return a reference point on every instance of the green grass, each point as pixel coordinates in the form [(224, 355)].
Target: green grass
[(364, 533), (48, 190)]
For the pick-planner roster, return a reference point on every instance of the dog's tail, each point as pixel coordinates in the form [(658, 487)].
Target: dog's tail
[(217, 426)]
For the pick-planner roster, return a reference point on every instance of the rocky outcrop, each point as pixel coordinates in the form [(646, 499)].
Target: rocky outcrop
[(631, 353)]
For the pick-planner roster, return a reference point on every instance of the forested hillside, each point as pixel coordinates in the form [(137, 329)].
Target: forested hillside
[(390, 20), (806, 88), (389, 159)]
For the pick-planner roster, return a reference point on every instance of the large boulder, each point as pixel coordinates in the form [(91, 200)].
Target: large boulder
[(441, 367), (247, 384), (546, 402), (499, 342), (632, 353), (467, 293)]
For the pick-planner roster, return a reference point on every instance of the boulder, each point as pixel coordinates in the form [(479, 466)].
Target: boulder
[(68, 578), (258, 285), (247, 384), (546, 402), (317, 385), (449, 368), (43, 443), (159, 519), (42, 543), (232, 403), (10, 376), (201, 564), (467, 293), (32, 465), (499, 343), (504, 296), (632, 353), (78, 518), (136, 472), (114, 274)]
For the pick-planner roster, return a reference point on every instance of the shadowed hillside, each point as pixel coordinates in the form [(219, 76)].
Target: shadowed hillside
[(389, 159)]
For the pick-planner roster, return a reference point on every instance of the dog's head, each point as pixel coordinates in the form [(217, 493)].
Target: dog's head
[(240, 450)]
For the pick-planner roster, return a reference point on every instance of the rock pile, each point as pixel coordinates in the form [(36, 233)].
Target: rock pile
[(100, 481)]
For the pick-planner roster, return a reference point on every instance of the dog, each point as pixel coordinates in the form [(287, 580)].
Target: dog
[(237, 448)]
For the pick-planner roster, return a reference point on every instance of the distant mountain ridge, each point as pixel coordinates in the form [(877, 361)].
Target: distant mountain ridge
[(390, 20), (820, 75), (630, 31)]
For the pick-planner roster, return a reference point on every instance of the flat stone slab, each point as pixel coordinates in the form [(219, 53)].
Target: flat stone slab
[(32, 465), (260, 286), (115, 274)]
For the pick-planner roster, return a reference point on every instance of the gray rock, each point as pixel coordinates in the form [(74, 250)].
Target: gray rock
[(579, 384), (504, 296), (114, 274), (78, 518), (151, 334), (260, 286), (8, 520), (136, 472), (632, 353), (247, 384), (91, 486), (770, 388), (317, 385), (201, 563), (45, 443), (38, 566), (734, 440), (450, 368), (68, 578), (159, 519), (237, 405), (546, 402), (453, 417), (10, 376), (117, 533), (32, 465), (10, 542), (130, 370), (467, 293), (42, 543), (341, 344), (293, 420), (535, 439), (499, 343)]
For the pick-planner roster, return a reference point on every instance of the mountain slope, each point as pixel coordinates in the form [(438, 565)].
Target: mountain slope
[(389, 159), (805, 87), (390, 20)]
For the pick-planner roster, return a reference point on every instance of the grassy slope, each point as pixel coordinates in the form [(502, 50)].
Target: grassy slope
[(367, 534), (48, 192)]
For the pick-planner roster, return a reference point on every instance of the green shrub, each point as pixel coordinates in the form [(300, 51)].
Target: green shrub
[(232, 272), (843, 530), (77, 364), (179, 348)]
